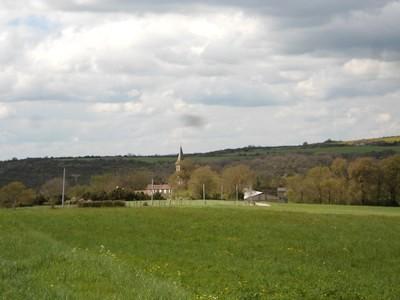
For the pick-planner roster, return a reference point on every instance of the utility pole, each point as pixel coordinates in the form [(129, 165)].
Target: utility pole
[(75, 177), (222, 192), (204, 194), (237, 194), (63, 190)]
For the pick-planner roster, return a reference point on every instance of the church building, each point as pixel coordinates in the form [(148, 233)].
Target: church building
[(165, 189)]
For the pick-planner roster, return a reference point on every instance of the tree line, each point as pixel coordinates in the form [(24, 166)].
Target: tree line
[(104, 187), (363, 181), (129, 186)]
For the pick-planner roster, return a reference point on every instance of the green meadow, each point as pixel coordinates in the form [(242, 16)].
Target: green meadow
[(217, 251)]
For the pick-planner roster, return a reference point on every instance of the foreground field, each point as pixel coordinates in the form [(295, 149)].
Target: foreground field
[(215, 252)]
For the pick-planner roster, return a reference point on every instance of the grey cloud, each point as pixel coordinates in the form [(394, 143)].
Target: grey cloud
[(369, 33), (230, 91), (298, 8), (227, 60), (191, 120), (231, 98), (359, 88)]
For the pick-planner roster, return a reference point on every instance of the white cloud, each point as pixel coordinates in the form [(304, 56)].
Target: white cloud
[(129, 107), (373, 68), (310, 88), (107, 107), (4, 111), (383, 118), (363, 67)]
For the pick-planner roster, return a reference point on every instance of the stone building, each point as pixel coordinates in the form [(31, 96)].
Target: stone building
[(163, 189)]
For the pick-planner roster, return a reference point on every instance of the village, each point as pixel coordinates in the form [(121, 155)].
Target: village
[(242, 186)]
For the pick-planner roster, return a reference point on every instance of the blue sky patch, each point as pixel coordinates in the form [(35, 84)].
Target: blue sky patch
[(37, 22)]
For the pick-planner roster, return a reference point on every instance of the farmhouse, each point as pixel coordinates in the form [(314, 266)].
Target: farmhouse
[(163, 189)]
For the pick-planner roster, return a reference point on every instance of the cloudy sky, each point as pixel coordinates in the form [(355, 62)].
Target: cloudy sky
[(102, 77)]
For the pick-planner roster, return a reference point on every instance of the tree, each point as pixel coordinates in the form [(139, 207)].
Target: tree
[(336, 190), (239, 176), (206, 176), (179, 180), (296, 188), (78, 191), (391, 174), (187, 168), (16, 194), (135, 180), (364, 181), (365, 176), (339, 168), (319, 185), (175, 182), (320, 178), (104, 183), (52, 190)]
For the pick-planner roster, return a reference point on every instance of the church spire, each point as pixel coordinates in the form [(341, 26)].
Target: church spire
[(180, 155), (179, 160)]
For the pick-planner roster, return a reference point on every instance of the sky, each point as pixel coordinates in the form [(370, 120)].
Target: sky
[(115, 77)]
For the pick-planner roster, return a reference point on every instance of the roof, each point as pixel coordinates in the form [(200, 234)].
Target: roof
[(158, 187), (250, 194)]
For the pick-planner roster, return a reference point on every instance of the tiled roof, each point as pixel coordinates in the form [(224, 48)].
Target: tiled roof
[(158, 187)]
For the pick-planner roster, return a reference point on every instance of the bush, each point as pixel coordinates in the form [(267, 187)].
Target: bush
[(117, 194), (158, 196), (106, 203), (72, 201), (40, 199)]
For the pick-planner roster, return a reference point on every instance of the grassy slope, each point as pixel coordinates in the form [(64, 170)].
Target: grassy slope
[(388, 139), (187, 253)]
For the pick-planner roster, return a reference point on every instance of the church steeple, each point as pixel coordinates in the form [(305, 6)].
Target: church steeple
[(179, 160), (180, 155)]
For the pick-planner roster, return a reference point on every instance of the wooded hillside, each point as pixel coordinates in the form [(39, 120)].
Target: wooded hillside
[(267, 162)]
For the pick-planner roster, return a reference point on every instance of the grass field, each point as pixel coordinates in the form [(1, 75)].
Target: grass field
[(220, 251)]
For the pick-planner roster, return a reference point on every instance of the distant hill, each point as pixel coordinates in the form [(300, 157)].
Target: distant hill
[(268, 162), (390, 140), (374, 147)]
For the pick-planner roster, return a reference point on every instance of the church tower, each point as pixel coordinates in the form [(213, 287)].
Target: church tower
[(178, 164)]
